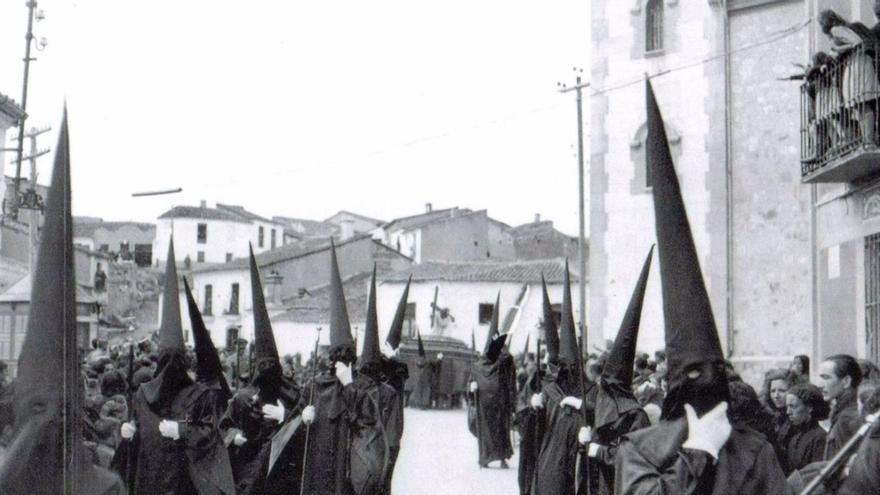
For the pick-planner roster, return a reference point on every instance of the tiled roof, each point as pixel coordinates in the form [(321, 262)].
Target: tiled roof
[(202, 213), (10, 107), (310, 228), (240, 211), (283, 253), (315, 307), (88, 228), (356, 215), (21, 292), (496, 271), (416, 221)]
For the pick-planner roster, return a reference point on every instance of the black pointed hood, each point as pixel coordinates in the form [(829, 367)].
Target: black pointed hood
[(493, 325), (421, 346), (394, 334), (615, 396), (691, 334), (551, 334), (371, 354), (264, 337), (171, 375), (340, 327), (171, 329), (496, 346), (619, 363), (209, 370), (569, 350), (49, 388)]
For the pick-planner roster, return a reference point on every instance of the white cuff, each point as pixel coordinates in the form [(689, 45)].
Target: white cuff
[(593, 450)]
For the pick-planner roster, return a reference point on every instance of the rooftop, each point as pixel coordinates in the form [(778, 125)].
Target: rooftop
[(86, 226), (356, 215), (240, 211), (21, 292), (422, 219), (303, 228), (9, 107), (315, 307), (203, 214), (480, 271)]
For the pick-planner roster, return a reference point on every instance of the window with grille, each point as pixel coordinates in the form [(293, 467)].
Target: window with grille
[(233, 300), (272, 240), (872, 296), (485, 313), (200, 257), (260, 234), (202, 233), (654, 26), (208, 305)]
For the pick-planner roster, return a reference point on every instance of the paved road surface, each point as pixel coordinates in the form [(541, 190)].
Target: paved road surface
[(439, 456)]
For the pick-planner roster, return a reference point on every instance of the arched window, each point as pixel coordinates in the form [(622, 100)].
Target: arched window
[(654, 25)]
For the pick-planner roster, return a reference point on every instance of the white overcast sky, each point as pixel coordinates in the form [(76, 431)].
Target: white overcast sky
[(306, 108)]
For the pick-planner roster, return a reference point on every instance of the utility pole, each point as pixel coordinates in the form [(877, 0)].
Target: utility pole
[(16, 201), (582, 241), (31, 200)]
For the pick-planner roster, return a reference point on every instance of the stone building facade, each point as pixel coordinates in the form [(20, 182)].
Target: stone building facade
[(718, 70)]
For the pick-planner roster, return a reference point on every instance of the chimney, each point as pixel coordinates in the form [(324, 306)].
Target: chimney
[(346, 228), (273, 287), (428, 207), (204, 204), (537, 218)]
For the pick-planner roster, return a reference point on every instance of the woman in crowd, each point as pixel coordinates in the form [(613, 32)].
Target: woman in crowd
[(804, 442), (800, 369), (776, 385)]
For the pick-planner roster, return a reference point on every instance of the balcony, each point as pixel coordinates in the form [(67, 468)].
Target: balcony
[(839, 118)]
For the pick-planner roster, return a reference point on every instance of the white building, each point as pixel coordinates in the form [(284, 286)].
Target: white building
[(468, 291), (214, 235), (10, 113)]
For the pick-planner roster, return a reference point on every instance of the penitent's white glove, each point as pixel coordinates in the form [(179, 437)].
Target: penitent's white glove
[(275, 412), (239, 440), (308, 415), (128, 430), (708, 433), (585, 435), (537, 401), (474, 386), (572, 402), (343, 373), (169, 429), (390, 351)]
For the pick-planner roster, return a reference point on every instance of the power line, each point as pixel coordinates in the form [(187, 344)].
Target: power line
[(779, 35)]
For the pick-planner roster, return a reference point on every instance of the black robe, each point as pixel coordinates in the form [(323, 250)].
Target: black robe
[(802, 444), (195, 463), (558, 456), (338, 411), (494, 407), (250, 461), (369, 439), (864, 472), (425, 383), (396, 373), (651, 461), (608, 439), (529, 422)]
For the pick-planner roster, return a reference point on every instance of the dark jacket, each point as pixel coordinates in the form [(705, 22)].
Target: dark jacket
[(803, 444), (651, 461), (844, 422)]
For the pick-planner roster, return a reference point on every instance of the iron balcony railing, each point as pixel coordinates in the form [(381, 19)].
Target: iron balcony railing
[(839, 109)]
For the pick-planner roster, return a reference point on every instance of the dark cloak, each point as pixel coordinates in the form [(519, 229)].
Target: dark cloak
[(369, 440), (426, 381), (394, 374), (195, 463), (529, 422), (338, 411), (494, 409), (558, 455), (250, 461), (651, 461)]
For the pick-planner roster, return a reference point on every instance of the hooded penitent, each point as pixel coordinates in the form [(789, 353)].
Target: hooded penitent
[(46, 454), (493, 328), (568, 343), (268, 375), (615, 395), (421, 346), (691, 336), (209, 371), (371, 355), (396, 330), (551, 334), (171, 375), (340, 328)]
